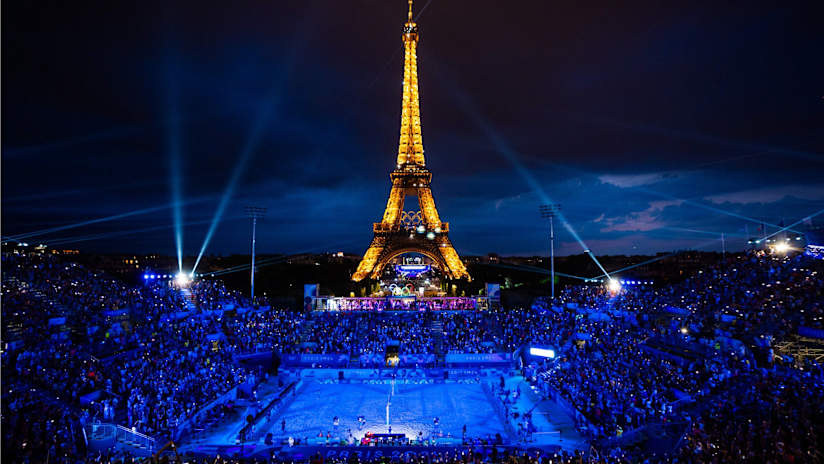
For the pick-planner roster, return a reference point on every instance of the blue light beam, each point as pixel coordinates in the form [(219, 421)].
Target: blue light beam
[(466, 104), (789, 227), (113, 217), (175, 154), (252, 143)]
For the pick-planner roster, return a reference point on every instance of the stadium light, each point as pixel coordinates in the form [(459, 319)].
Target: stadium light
[(542, 352), (254, 213), (548, 211), (182, 279)]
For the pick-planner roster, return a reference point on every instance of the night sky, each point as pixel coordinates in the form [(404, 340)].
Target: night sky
[(656, 126)]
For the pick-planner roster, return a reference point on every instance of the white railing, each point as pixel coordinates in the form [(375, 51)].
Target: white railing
[(135, 438)]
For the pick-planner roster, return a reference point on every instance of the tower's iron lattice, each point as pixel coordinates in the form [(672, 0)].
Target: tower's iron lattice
[(402, 231)]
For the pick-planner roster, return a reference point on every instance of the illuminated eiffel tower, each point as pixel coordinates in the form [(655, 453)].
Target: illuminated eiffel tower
[(410, 231)]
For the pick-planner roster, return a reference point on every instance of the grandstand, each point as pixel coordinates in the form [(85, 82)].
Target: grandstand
[(93, 366)]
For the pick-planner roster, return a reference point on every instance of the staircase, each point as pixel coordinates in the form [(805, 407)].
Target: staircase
[(354, 354), (306, 329), (189, 299), (107, 436), (436, 333)]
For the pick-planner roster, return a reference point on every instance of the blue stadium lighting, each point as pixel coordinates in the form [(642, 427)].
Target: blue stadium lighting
[(789, 227), (751, 148), (542, 352), (89, 222), (658, 258), (503, 148), (712, 208), (121, 233), (781, 248), (248, 150), (175, 176), (183, 279)]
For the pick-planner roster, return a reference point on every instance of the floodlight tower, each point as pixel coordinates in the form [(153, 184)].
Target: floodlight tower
[(254, 212), (549, 211)]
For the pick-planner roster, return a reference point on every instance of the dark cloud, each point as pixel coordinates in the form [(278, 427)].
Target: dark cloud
[(656, 125)]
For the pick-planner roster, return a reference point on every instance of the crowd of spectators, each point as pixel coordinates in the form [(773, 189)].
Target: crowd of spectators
[(756, 291), (141, 354), (761, 416), (626, 359), (608, 374)]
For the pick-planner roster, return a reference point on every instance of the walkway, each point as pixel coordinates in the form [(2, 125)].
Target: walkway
[(554, 424)]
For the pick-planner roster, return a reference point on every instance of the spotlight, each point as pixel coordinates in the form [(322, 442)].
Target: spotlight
[(613, 285), (782, 247), (542, 352), (684, 330), (430, 235), (182, 279), (421, 229)]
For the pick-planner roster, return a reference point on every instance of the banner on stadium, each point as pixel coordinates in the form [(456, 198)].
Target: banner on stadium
[(811, 332), (478, 358), (389, 453), (309, 359), (493, 291), (310, 290), (310, 293), (409, 359)]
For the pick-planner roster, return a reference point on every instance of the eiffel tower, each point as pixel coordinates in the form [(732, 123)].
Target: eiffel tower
[(410, 231)]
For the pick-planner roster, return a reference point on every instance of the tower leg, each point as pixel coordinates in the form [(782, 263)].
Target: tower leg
[(370, 258)]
